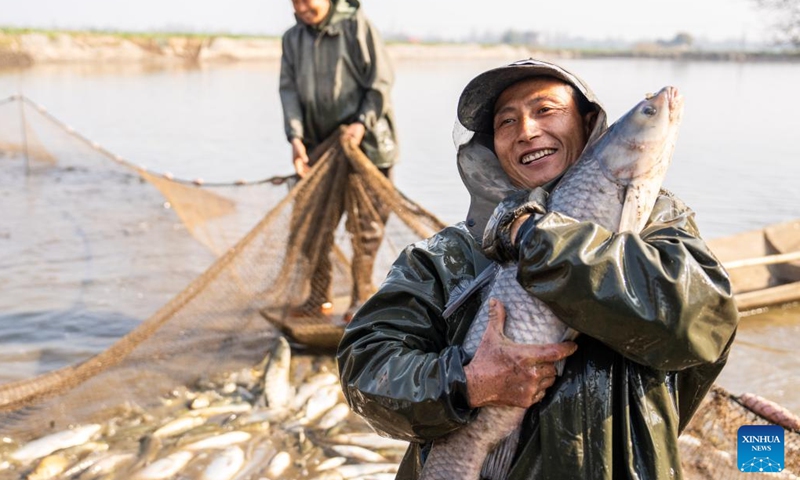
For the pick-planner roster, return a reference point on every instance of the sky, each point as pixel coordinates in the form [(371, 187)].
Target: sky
[(448, 19)]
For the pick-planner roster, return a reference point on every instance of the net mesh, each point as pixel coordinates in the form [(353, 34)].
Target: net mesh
[(193, 281), (252, 250), (709, 443)]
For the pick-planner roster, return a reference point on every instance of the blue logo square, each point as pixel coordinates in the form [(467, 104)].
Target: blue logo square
[(760, 448)]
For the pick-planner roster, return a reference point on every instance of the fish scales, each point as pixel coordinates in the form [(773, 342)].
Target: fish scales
[(614, 183)]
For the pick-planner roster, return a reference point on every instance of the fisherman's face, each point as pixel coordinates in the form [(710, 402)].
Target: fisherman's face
[(538, 130), (311, 12)]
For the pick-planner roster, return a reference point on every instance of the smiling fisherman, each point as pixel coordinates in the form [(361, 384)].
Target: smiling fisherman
[(654, 309)]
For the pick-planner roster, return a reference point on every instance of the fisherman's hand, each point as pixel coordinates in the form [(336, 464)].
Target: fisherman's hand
[(300, 158), (506, 373), (501, 229), (356, 131)]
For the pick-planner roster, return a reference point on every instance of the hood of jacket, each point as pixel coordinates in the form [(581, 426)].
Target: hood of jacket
[(340, 10), (478, 165)]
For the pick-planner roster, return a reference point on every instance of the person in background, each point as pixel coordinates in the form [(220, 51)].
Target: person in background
[(654, 309), (335, 71)]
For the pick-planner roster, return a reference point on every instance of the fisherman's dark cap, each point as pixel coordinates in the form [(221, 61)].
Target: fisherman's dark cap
[(476, 104)]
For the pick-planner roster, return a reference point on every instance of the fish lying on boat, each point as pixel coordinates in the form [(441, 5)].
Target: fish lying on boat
[(364, 469), (315, 383), (225, 465), (330, 463), (279, 463), (278, 390), (164, 467), (359, 453), (46, 445), (370, 440), (269, 420), (102, 466), (623, 170), (50, 466), (221, 440), (334, 416), (179, 425), (211, 410)]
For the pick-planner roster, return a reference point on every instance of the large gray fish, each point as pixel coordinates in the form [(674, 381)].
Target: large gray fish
[(614, 183)]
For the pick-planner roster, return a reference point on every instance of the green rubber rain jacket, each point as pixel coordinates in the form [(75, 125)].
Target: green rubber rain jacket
[(338, 73), (654, 309)]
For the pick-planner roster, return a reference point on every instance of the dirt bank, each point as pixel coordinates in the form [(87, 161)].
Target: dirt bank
[(38, 48), (20, 48), (23, 49)]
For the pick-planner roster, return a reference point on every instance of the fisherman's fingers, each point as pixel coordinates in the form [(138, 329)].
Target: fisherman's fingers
[(527, 393), (544, 371), (539, 376), (519, 394), (510, 384), (547, 381), (538, 397), (497, 319), (301, 166), (544, 378), (549, 353), (356, 131)]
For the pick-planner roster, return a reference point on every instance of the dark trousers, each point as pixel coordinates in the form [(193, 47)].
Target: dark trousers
[(366, 218)]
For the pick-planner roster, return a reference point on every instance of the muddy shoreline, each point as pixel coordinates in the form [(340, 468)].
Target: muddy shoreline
[(24, 49)]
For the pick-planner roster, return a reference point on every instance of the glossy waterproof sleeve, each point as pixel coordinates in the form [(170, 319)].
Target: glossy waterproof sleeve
[(660, 297), (397, 366), (290, 99)]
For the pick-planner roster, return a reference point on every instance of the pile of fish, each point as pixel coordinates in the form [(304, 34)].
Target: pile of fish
[(282, 419)]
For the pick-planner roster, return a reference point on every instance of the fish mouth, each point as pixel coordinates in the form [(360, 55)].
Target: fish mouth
[(671, 98), (675, 101), (531, 157)]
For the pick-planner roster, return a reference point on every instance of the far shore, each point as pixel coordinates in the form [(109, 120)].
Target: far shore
[(24, 48)]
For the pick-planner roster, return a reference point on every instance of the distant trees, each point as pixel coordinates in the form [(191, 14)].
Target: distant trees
[(788, 18), (514, 37), (680, 40)]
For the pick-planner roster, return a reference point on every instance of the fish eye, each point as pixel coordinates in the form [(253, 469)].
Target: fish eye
[(649, 110)]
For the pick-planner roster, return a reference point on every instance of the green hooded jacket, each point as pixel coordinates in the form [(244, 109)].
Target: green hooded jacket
[(655, 312), (337, 73)]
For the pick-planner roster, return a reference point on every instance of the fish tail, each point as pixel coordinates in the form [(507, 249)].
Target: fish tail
[(498, 462)]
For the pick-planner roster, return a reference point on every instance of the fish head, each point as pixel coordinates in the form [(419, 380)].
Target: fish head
[(636, 151), (639, 145)]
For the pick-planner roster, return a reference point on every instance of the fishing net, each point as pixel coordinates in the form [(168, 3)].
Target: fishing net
[(709, 446), (197, 276)]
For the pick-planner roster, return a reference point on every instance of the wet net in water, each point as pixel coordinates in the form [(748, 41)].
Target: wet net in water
[(258, 247)]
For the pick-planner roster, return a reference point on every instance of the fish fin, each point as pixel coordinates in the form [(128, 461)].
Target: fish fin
[(631, 211), (640, 196), (498, 462), (458, 298)]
